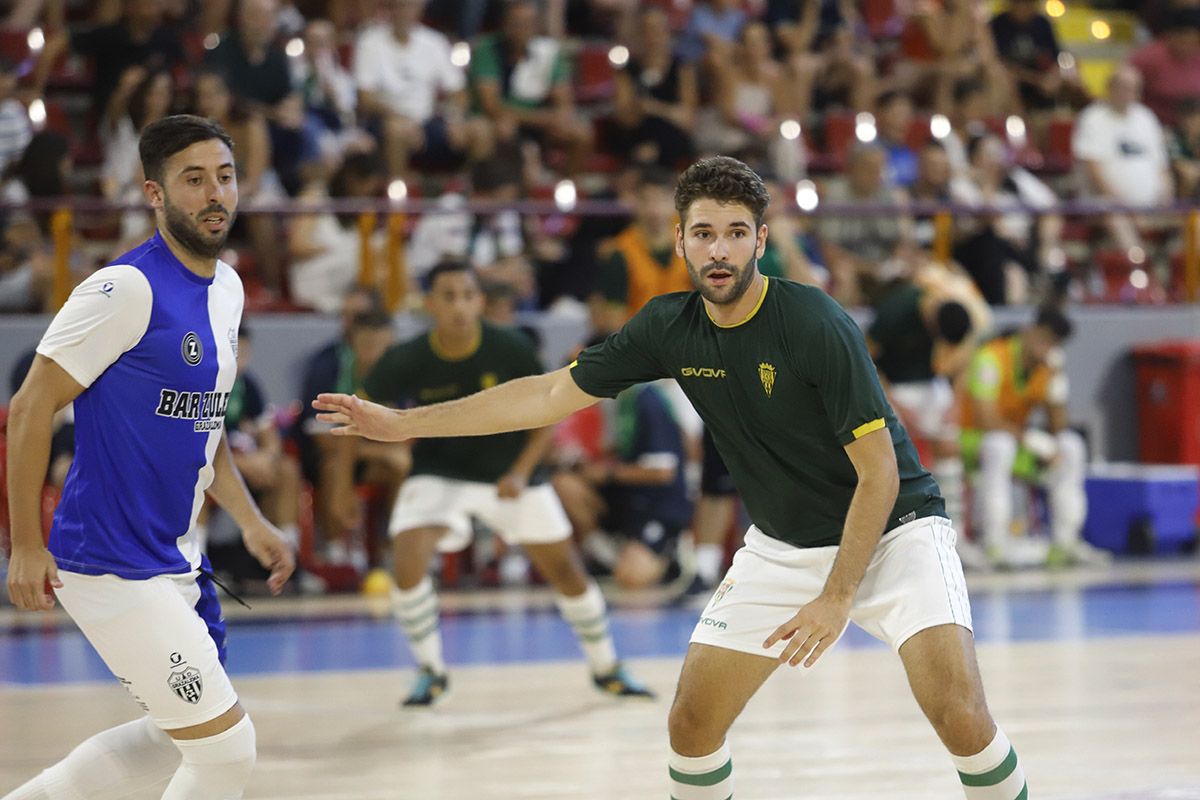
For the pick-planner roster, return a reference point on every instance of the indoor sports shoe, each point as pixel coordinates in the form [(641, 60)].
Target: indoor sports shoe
[(428, 689), (618, 683), (1080, 554)]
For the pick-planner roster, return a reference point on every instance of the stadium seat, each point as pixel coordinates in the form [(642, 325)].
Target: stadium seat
[(594, 75)]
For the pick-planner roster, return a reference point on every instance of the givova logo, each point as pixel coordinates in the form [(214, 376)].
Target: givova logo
[(702, 372), (206, 408)]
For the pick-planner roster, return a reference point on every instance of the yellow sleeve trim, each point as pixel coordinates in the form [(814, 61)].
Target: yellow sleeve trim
[(572, 364), (868, 427)]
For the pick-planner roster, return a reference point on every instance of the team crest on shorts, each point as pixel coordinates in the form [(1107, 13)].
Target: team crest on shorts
[(187, 684), (766, 374), (725, 588)]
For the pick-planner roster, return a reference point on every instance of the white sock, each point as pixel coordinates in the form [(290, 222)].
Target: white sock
[(215, 767), (112, 764), (709, 559), (993, 773), (707, 777), (416, 610), (588, 616)]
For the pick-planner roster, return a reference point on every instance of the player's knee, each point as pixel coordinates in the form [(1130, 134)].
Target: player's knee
[(962, 722), (691, 730), (217, 766)]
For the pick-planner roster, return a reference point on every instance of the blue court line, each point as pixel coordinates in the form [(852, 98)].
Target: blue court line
[(257, 647)]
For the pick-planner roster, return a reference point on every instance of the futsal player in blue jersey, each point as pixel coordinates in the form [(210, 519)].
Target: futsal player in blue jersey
[(145, 348)]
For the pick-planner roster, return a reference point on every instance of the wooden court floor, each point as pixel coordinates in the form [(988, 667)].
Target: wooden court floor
[(1093, 716)]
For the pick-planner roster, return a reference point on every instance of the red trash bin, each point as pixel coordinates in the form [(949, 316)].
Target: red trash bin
[(1168, 399)]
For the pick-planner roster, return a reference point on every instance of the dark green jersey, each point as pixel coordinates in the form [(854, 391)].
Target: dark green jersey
[(782, 392), (414, 373), (904, 344)]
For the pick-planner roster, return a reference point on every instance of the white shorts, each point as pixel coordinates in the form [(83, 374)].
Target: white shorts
[(154, 637), (536, 517), (914, 581)]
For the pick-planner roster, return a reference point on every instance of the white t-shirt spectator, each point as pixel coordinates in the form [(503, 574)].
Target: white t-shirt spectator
[(1129, 149), (15, 131), (407, 77)]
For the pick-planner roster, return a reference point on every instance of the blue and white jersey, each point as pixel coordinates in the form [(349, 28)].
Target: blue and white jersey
[(154, 346)]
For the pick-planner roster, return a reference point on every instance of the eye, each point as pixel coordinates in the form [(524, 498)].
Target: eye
[(226, 178), (701, 234), (739, 234), (194, 180)]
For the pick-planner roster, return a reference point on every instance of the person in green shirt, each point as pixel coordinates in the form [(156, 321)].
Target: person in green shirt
[(522, 82), (490, 478), (847, 524)]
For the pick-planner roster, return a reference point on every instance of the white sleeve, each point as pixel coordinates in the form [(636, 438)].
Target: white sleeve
[(104, 317), (1090, 141), (367, 72), (453, 79)]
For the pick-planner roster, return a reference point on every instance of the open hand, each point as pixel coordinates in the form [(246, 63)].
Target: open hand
[(358, 417), (28, 573), (812, 631), (269, 548)]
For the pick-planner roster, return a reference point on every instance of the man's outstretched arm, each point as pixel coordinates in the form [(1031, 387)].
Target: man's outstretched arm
[(524, 403)]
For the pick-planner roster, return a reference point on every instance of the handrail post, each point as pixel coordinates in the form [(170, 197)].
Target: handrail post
[(943, 236), (1191, 255), (366, 261), (60, 233), (397, 266)]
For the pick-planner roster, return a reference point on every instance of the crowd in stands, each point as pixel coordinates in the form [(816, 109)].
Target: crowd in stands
[(903, 106)]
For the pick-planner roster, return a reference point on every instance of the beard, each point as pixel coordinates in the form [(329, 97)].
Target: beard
[(187, 231), (729, 293)]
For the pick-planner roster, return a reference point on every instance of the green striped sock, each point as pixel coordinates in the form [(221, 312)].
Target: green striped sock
[(588, 617), (416, 610), (707, 777), (994, 773)]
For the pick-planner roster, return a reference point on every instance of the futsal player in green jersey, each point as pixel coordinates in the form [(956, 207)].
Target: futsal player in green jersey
[(491, 478), (847, 525)]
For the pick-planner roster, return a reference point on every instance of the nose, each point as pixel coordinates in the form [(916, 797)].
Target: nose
[(719, 250)]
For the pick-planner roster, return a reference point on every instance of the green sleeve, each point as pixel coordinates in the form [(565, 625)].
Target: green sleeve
[(836, 360), (385, 382), (613, 281), (485, 61), (560, 72), (626, 357)]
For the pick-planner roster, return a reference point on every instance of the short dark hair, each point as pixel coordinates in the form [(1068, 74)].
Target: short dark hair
[(166, 137), (655, 175), (886, 98), (373, 319), (966, 88), (1056, 322), (725, 180), (447, 267), (953, 322)]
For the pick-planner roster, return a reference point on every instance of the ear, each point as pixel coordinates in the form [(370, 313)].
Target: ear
[(153, 192), (679, 239), (762, 241)]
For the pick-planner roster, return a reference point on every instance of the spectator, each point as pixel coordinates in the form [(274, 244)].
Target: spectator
[(522, 82), (15, 128), (1026, 44), (256, 71), (1170, 64), (257, 180), (330, 94), (656, 98), (864, 252), (140, 38), (946, 41), (415, 94), (931, 187), (26, 275), (711, 33), (62, 443), (140, 98), (324, 248), (641, 261), (335, 465), (1120, 154), (636, 490), (791, 253), (40, 172), (493, 242), (1007, 245), (753, 97), (272, 476), (830, 62), (894, 116), (1007, 380), (968, 119), (1184, 147)]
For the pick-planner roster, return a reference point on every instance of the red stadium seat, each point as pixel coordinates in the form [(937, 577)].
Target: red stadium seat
[(594, 75), (1058, 145)]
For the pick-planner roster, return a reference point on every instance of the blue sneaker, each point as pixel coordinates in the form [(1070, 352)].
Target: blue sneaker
[(428, 689), (618, 683)]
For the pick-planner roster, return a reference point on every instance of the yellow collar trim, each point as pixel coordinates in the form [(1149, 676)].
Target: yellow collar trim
[(761, 297), (441, 353)]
